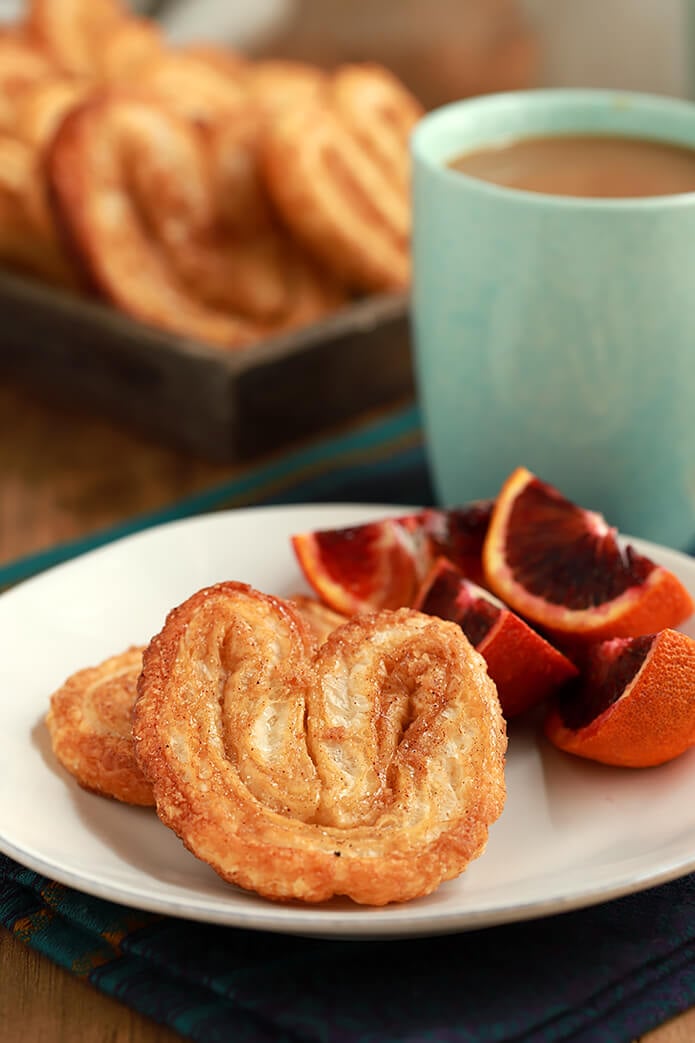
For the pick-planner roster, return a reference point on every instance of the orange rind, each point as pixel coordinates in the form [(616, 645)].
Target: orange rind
[(634, 705)]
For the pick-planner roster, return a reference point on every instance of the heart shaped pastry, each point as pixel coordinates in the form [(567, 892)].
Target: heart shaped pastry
[(370, 766)]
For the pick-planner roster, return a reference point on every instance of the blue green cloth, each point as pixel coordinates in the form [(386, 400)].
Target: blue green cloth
[(606, 974)]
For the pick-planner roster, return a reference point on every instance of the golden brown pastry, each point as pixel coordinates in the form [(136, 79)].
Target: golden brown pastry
[(90, 718), (371, 766), (129, 51), (42, 106), (90, 727), (135, 194), (113, 160), (321, 619), (195, 87), (275, 84), (337, 169), (74, 33), (28, 241), (21, 65)]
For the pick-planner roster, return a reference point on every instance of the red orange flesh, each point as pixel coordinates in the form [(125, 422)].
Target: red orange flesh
[(525, 667), (564, 569), (364, 567), (381, 564)]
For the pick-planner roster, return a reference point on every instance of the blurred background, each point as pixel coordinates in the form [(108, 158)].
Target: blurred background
[(449, 48)]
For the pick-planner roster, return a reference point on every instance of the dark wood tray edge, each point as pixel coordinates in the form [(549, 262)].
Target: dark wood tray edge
[(221, 405)]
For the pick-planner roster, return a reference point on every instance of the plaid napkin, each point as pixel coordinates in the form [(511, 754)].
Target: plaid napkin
[(607, 973)]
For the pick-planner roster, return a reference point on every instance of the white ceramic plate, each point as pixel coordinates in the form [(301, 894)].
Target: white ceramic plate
[(572, 833)]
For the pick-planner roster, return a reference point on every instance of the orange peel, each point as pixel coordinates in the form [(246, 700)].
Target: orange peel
[(633, 706)]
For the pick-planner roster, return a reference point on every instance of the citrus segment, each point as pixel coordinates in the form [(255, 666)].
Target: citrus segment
[(525, 667), (381, 564), (363, 567), (458, 533), (634, 705), (563, 568)]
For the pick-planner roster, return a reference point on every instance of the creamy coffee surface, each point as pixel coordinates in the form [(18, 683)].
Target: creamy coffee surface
[(588, 165)]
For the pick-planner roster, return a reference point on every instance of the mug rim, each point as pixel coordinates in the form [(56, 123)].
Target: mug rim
[(558, 99)]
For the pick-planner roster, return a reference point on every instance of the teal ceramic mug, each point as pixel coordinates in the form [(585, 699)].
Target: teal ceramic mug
[(553, 332)]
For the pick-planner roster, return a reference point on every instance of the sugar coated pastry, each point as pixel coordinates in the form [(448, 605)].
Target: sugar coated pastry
[(337, 168), (370, 766), (89, 722)]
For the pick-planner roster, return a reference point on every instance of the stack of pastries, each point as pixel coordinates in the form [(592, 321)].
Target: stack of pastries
[(197, 190)]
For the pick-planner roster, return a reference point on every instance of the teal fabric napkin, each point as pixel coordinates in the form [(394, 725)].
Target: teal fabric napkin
[(606, 974), (601, 975)]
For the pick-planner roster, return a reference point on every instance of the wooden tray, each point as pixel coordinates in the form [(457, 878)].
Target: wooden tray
[(224, 406)]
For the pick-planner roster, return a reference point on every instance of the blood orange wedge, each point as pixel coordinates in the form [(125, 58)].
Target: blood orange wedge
[(633, 706), (364, 567), (563, 568), (525, 667), (381, 564), (459, 534)]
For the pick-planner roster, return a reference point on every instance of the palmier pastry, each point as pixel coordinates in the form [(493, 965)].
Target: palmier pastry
[(89, 722), (279, 83), (42, 106), (129, 50), (28, 241), (244, 262), (21, 65), (322, 620), (371, 766), (255, 267), (135, 195), (337, 168), (226, 60), (75, 32), (195, 87), (113, 160)]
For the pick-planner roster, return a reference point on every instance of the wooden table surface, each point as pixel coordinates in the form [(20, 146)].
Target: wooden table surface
[(64, 475)]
